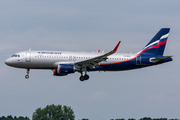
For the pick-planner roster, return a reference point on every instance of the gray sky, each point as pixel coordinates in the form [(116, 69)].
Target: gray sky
[(89, 26)]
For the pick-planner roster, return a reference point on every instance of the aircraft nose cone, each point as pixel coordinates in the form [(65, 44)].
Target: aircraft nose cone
[(8, 61)]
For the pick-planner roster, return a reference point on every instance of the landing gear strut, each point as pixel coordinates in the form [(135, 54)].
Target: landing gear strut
[(85, 77), (27, 76)]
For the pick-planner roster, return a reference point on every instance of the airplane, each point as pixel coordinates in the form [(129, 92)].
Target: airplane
[(63, 62)]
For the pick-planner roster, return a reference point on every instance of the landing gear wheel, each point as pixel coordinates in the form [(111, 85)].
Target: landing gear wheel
[(86, 77), (27, 76), (81, 78)]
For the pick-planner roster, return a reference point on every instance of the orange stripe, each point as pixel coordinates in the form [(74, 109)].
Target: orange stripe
[(54, 72), (59, 68)]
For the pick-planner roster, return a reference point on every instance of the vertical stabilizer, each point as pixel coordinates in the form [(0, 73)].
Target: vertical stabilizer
[(157, 44)]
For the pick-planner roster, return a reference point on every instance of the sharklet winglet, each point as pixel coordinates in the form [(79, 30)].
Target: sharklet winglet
[(115, 49)]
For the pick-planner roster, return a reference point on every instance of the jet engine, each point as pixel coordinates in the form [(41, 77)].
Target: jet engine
[(64, 69)]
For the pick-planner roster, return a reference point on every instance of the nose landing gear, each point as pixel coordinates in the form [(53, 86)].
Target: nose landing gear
[(27, 76)]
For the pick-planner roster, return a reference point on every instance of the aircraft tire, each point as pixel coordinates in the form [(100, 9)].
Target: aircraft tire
[(81, 78), (27, 76), (86, 77)]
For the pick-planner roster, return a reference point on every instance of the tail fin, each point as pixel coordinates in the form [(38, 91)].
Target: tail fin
[(158, 42)]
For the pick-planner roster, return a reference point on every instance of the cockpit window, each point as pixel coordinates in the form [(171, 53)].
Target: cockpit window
[(15, 56)]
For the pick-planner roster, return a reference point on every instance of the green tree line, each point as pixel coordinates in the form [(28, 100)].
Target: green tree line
[(59, 112), (145, 118), (14, 118)]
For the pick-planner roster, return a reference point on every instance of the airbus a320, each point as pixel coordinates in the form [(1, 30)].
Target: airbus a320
[(63, 62)]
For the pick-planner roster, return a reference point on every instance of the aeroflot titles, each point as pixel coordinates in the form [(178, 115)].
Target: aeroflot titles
[(49, 52)]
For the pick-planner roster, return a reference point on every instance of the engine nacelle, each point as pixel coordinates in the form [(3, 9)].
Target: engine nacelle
[(64, 69)]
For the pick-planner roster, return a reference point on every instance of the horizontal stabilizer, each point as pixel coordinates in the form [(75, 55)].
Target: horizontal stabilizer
[(159, 58)]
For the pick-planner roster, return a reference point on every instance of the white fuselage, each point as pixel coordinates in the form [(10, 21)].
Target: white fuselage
[(50, 59)]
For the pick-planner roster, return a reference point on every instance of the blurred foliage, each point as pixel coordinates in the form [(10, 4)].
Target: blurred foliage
[(54, 112), (13, 118)]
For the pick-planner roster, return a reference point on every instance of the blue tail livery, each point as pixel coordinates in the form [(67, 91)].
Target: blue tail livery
[(157, 44), (63, 63)]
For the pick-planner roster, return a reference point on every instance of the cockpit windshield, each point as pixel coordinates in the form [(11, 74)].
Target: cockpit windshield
[(15, 56)]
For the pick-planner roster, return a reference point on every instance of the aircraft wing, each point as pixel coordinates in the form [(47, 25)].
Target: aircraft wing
[(96, 60)]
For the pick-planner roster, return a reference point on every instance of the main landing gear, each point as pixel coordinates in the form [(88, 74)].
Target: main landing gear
[(27, 76), (85, 77)]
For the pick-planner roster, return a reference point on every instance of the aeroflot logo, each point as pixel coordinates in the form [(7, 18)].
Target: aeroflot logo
[(49, 52)]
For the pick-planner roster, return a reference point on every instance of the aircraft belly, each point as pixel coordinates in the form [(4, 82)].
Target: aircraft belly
[(120, 66)]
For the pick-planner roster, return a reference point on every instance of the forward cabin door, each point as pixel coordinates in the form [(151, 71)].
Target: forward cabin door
[(28, 56)]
